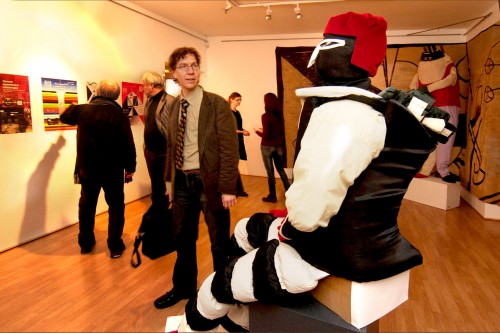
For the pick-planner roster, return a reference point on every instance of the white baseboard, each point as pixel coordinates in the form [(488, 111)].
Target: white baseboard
[(486, 210)]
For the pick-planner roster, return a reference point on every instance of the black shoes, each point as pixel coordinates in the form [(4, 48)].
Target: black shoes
[(242, 194), (270, 198), (451, 178), (171, 298), (115, 254), (85, 250), (112, 254)]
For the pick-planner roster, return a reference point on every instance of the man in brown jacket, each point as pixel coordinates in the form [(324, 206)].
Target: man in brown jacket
[(201, 171)]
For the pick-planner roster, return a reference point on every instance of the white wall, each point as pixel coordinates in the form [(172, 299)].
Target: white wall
[(248, 67), (71, 40)]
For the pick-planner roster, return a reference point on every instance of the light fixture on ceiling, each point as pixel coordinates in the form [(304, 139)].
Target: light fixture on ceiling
[(298, 15), (228, 6), (268, 13)]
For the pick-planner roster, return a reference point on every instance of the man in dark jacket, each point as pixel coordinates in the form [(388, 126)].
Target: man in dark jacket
[(201, 171), (155, 143), (106, 158)]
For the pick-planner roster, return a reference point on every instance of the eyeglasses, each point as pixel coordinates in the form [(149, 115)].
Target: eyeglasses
[(185, 67)]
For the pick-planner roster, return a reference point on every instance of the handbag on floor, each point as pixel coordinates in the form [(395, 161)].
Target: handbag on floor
[(155, 233)]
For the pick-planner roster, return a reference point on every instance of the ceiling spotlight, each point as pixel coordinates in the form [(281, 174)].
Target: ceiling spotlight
[(298, 15), (228, 6), (268, 13)]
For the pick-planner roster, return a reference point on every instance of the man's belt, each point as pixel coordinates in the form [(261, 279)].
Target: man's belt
[(191, 172)]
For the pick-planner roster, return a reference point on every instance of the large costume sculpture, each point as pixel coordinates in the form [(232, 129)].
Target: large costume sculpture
[(437, 76), (356, 155)]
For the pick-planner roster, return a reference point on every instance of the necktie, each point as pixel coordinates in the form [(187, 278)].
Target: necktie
[(180, 135)]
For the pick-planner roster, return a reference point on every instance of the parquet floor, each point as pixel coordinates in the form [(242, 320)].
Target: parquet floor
[(47, 286)]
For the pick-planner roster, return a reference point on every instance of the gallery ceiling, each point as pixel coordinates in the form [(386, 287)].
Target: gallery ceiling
[(247, 18)]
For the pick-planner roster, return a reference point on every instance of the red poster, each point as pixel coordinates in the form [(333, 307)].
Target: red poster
[(15, 104), (132, 101)]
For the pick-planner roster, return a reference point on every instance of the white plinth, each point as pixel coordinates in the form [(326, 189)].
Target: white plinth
[(360, 304), (172, 324), (434, 192)]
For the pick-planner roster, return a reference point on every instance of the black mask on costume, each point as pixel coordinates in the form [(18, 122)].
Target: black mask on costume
[(334, 68)]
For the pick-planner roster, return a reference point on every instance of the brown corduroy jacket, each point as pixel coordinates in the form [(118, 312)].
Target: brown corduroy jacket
[(217, 143)]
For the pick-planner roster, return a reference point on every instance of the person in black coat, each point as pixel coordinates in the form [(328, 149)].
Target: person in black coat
[(155, 141), (106, 158), (234, 101)]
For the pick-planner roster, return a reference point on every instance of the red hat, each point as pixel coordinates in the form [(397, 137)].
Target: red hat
[(371, 40)]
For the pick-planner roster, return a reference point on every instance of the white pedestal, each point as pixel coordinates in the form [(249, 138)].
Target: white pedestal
[(361, 304), (434, 192), (172, 324)]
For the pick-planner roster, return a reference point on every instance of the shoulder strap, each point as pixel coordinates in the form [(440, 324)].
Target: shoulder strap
[(136, 254)]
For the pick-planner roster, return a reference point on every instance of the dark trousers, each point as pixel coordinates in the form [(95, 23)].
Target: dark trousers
[(239, 185), (190, 198), (156, 169), (115, 198)]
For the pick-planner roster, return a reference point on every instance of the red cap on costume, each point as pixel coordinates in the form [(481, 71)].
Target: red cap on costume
[(370, 33)]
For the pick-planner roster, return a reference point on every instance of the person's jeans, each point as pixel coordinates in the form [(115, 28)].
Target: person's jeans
[(239, 185), (190, 198), (274, 155)]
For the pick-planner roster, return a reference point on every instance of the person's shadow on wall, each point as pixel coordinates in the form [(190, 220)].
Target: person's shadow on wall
[(34, 221)]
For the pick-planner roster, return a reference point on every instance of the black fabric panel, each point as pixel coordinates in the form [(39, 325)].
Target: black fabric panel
[(234, 250), (265, 279), (258, 228), (195, 320), (221, 284), (267, 288)]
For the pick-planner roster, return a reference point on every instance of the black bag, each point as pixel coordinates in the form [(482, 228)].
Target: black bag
[(155, 233)]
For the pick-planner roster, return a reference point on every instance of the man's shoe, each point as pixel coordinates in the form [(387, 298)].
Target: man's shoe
[(115, 254), (85, 250), (270, 198), (242, 194), (170, 298)]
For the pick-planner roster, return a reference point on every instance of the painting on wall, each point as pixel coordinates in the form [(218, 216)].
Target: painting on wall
[(57, 95), (91, 87), (15, 104), (481, 158), (132, 101)]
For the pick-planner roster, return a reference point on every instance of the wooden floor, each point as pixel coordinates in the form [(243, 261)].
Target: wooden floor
[(47, 286)]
